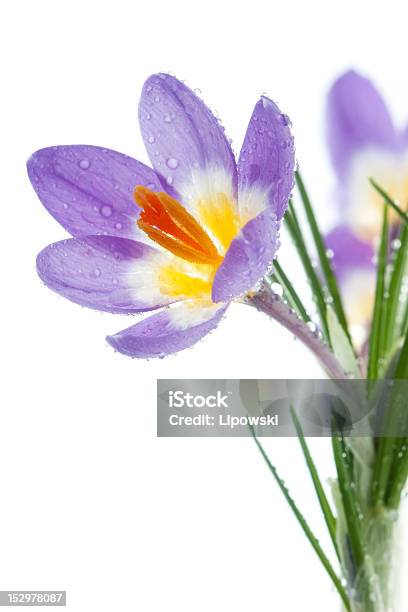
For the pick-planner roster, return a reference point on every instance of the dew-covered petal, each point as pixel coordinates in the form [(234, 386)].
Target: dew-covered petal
[(267, 161), (104, 272), (169, 331), (357, 118), (89, 190), (347, 251), (182, 137), (248, 258)]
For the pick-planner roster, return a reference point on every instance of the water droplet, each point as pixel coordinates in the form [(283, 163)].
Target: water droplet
[(169, 180), (149, 88), (106, 210), (277, 289), (97, 272), (311, 326), (172, 162), (118, 226), (84, 164), (65, 205), (151, 139), (167, 118)]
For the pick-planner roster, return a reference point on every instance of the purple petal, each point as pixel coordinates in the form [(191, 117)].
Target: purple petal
[(267, 158), (169, 331), (349, 252), (357, 118), (89, 190), (248, 258), (102, 272), (180, 133)]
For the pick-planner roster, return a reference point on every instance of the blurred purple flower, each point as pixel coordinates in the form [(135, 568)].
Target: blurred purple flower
[(202, 232), (363, 143)]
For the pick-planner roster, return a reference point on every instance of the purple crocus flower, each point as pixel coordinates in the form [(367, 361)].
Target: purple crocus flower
[(186, 237), (363, 143)]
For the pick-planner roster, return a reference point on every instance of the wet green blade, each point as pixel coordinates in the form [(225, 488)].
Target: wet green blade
[(394, 320), (293, 226), (389, 200), (304, 525), (324, 260), (385, 478), (321, 495), (376, 349), (290, 292), (341, 458)]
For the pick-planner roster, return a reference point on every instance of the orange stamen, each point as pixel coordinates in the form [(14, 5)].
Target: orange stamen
[(169, 224)]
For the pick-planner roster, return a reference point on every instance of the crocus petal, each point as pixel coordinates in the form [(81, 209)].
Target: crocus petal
[(169, 331), (248, 258), (182, 137), (266, 162), (103, 272), (349, 252), (357, 118), (89, 190)]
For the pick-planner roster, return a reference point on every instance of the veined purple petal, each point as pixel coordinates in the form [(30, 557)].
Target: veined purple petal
[(102, 272), (267, 159), (89, 190), (248, 258), (181, 135), (357, 118), (349, 252), (169, 331)]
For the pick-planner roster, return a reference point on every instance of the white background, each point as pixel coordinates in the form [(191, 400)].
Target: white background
[(91, 501)]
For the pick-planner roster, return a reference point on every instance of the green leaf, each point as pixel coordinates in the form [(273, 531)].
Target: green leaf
[(342, 458), (321, 250), (341, 345), (290, 293), (304, 525), (396, 308), (377, 334), (390, 470), (321, 495), (293, 226), (389, 200)]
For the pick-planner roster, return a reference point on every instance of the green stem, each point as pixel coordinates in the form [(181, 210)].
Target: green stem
[(388, 447), (351, 511), (304, 525), (377, 325), (400, 476), (293, 226), (290, 291), (322, 253), (324, 503), (389, 201)]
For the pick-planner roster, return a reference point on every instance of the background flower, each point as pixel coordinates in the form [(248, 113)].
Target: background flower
[(363, 142)]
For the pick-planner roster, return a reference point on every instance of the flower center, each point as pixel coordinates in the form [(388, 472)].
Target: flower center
[(391, 173), (169, 224)]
